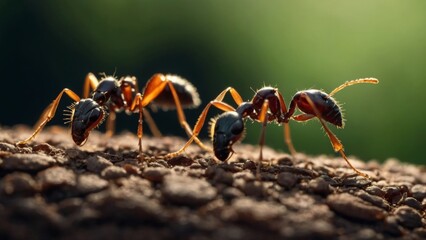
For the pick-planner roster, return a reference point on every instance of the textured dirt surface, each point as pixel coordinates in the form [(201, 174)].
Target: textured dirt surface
[(52, 189)]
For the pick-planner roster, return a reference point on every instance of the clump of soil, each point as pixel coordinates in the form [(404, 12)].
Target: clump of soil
[(52, 189)]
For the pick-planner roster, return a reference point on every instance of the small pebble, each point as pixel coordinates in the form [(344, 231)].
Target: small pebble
[(131, 169), (125, 205), (285, 160), (375, 190), (319, 186), (187, 191), (18, 184), (254, 189), (113, 172), (97, 163), (230, 193), (357, 181), (90, 183), (222, 176), (27, 162), (408, 217), (287, 180), (56, 177), (249, 165), (419, 191), (392, 227), (251, 211), (393, 194), (412, 202), (154, 174), (7, 147), (70, 206), (353, 207), (373, 199), (44, 147), (180, 161)]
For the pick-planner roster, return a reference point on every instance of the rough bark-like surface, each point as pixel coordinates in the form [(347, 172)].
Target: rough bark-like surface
[(52, 189)]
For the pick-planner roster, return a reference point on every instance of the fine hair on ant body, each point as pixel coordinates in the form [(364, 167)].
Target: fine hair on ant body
[(111, 95), (267, 106)]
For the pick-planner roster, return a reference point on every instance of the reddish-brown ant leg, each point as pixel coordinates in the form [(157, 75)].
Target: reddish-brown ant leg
[(287, 135), (337, 144), (154, 87), (127, 92), (151, 124), (137, 102), (217, 102), (110, 124), (200, 122), (91, 82), (303, 117), (287, 139), (263, 118), (49, 113)]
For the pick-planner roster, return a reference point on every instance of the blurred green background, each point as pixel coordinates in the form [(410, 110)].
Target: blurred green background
[(293, 45)]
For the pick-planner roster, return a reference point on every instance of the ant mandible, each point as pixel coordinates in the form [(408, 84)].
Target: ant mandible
[(111, 95), (266, 106)]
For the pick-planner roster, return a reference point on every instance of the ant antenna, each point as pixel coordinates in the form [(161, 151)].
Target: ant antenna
[(115, 71), (353, 82)]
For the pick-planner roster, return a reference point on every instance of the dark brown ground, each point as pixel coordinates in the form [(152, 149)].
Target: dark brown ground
[(52, 189)]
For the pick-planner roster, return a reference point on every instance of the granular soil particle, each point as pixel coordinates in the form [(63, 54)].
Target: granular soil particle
[(52, 189)]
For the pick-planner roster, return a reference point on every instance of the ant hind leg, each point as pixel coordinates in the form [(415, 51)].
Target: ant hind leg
[(337, 144)]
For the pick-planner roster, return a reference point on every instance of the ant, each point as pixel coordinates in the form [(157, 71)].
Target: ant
[(111, 95), (267, 106)]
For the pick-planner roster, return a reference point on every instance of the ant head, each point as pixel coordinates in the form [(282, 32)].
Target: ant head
[(226, 129), (85, 115)]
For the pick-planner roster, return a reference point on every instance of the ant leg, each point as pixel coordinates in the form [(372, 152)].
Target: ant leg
[(110, 124), (337, 144), (154, 87), (303, 117), (353, 82), (49, 113), (263, 118), (200, 122), (234, 94), (287, 139), (91, 82), (287, 136), (151, 124), (137, 102)]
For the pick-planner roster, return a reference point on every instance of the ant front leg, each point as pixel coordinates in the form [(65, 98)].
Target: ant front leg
[(263, 118), (335, 142), (91, 82), (137, 102), (198, 126), (287, 135), (217, 102), (49, 113)]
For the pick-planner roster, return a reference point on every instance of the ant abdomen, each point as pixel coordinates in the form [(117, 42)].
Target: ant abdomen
[(325, 105), (187, 93)]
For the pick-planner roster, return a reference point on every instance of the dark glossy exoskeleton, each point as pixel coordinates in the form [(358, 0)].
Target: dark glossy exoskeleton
[(267, 106), (111, 95), (324, 103)]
